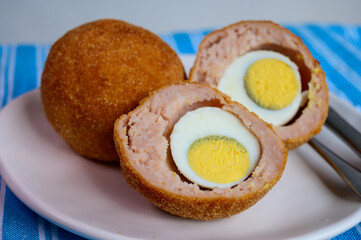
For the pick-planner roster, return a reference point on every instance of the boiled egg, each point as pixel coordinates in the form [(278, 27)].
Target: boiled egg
[(267, 83), (212, 148)]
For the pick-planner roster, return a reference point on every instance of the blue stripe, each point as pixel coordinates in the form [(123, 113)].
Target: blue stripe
[(183, 43), (25, 70), (63, 234), (338, 49), (47, 230), (337, 79), (351, 234), (19, 222), (337, 29)]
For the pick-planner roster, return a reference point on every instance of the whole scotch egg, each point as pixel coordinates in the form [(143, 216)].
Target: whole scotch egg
[(271, 72), (194, 153), (95, 73)]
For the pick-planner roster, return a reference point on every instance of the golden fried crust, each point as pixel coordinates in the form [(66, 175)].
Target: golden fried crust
[(95, 73), (200, 208), (186, 206), (317, 106), (215, 54)]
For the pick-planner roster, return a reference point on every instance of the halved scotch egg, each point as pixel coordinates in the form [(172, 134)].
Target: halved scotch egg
[(195, 153), (266, 82), (211, 147), (271, 72)]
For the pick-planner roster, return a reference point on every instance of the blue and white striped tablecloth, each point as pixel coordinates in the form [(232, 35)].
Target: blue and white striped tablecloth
[(337, 47)]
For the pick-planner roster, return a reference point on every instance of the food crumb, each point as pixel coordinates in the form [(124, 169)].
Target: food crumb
[(119, 232)]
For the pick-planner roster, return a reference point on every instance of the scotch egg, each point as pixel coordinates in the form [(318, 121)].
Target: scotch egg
[(194, 153), (267, 83), (212, 148), (271, 72), (95, 73)]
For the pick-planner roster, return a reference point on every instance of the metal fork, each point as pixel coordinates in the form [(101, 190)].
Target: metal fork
[(350, 174)]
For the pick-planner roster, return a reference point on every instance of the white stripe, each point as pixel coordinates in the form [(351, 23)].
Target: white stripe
[(41, 228), (38, 62), (46, 51), (11, 72), (54, 232), (346, 44), (2, 73), (196, 38), (2, 204), (337, 63), (340, 94), (171, 41), (352, 33), (337, 91), (358, 108)]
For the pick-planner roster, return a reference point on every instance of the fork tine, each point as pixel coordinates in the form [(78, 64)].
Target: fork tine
[(350, 174), (344, 129)]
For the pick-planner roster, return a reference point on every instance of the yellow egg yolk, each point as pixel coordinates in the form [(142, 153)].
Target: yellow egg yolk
[(218, 159), (271, 83)]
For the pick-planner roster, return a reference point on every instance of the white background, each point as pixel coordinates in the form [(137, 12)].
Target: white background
[(44, 21)]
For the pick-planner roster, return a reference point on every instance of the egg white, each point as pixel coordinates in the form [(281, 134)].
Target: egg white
[(232, 84), (204, 122)]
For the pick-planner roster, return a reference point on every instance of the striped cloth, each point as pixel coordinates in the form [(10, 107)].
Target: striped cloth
[(337, 47)]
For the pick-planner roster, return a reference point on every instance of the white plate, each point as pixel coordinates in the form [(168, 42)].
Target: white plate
[(93, 200)]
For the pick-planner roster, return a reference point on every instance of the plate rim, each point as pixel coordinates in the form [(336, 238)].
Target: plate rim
[(35, 204)]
